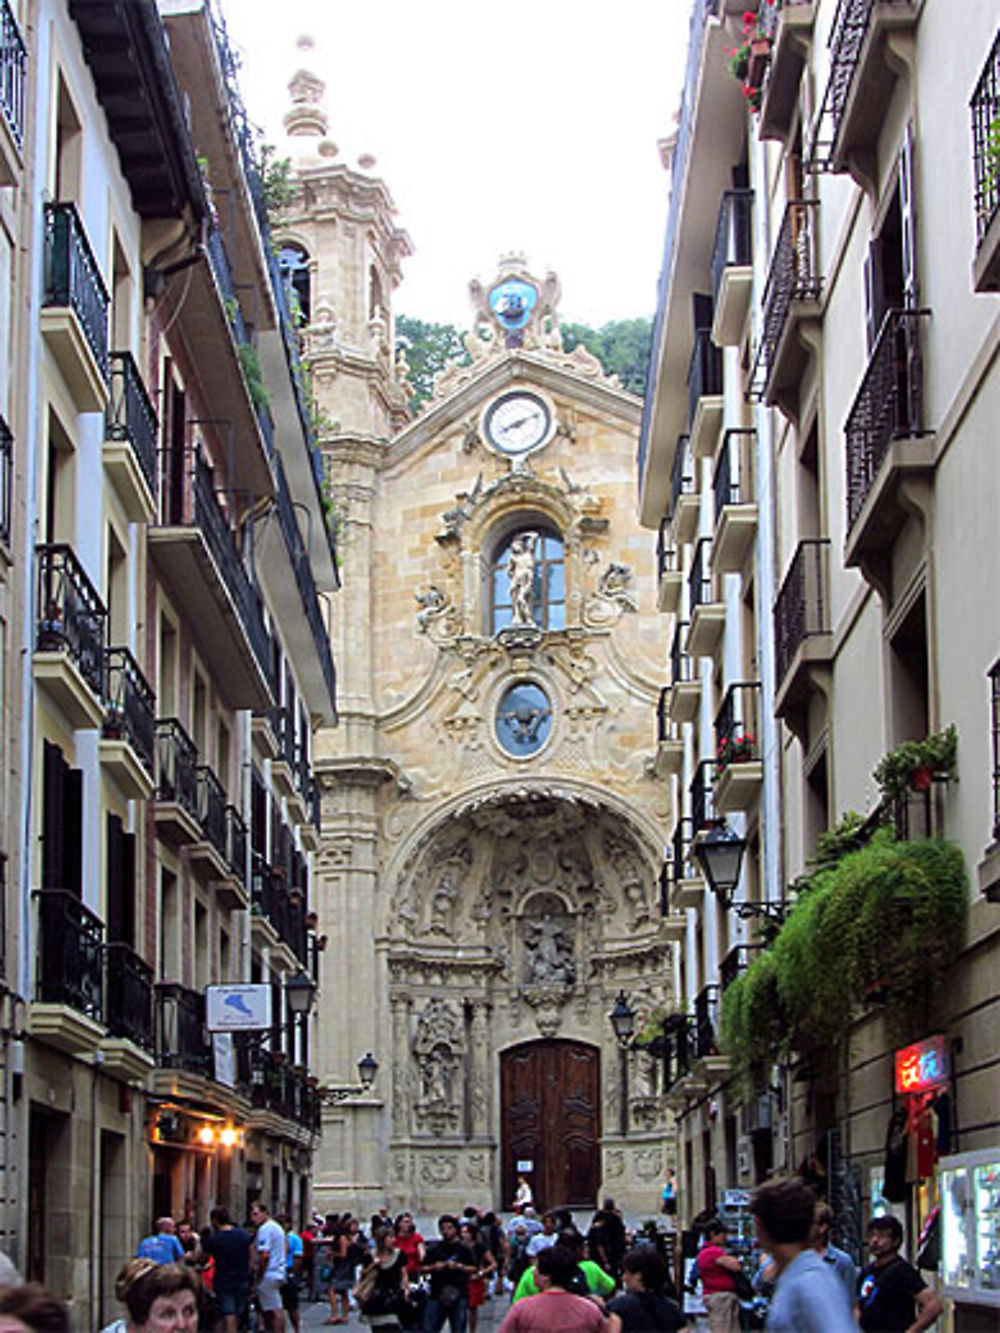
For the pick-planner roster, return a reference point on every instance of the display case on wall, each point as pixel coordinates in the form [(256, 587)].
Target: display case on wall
[(970, 1227)]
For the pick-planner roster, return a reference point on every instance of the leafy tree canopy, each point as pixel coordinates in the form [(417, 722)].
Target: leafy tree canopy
[(622, 346)]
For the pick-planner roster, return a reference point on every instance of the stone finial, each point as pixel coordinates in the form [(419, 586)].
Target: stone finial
[(306, 116)]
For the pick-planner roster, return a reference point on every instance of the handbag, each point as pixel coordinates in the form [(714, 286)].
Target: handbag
[(743, 1287)]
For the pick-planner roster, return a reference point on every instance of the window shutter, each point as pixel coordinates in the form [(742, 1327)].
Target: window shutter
[(53, 768), (114, 877), (128, 889), (907, 210), (875, 300), (72, 842)]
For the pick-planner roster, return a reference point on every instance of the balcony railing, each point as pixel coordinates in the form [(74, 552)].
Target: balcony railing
[(128, 996), (704, 371), (706, 1023), (272, 901), (888, 406), (130, 414), (73, 279), (702, 797), (733, 233), (194, 503), (802, 607), (681, 666), (6, 479), (662, 716), (737, 725), (682, 473), (131, 706), (792, 276), (283, 726), (680, 841), (304, 578), (236, 843), (13, 67), (70, 940), (667, 561), (733, 479), (212, 808), (180, 1029), (736, 961), (176, 766), (71, 616), (700, 577), (985, 108)]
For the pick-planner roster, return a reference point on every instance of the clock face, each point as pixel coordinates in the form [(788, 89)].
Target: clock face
[(517, 422)]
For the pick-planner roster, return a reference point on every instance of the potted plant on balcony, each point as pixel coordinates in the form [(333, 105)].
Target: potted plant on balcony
[(915, 764), (736, 748)]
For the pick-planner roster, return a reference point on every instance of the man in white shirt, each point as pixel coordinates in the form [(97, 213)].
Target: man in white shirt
[(269, 1245), (544, 1238)]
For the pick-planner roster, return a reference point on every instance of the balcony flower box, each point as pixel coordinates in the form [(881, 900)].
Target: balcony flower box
[(737, 749), (758, 61)]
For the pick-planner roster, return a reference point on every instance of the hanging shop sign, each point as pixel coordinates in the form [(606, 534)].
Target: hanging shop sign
[(922, 1067)]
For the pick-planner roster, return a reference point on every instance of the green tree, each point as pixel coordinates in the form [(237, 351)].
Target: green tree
[(622, 346), (429, 348)]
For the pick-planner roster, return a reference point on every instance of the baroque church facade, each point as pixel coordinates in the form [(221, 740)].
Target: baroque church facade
[(493, 827)]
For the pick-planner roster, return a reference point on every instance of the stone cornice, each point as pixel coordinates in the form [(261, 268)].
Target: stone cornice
[(355, 771)]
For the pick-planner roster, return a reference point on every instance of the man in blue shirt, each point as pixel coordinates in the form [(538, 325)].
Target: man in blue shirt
[(808, 1297), (294, 1250), (839, 1260), (162, 1247)]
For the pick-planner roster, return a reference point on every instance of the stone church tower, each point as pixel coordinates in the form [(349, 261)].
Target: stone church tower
[(492, 828)]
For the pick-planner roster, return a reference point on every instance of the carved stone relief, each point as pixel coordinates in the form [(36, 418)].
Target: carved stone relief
[(438, 1048)]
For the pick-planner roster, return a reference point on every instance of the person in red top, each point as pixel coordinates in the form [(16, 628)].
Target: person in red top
[(554, 1309), (716, 1269), (410, 1243)]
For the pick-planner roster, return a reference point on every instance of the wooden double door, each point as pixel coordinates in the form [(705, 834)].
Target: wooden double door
[(551, 1117)]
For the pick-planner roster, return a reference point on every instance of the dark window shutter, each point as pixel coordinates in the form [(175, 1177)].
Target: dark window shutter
[(115, 834), (53, 769), (128, 888), (72, 841)]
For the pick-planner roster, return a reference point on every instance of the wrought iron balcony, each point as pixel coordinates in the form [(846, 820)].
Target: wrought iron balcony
[(212, 808), (985, 108), (180, 1029), (70, 953), (236, 843), (681, 666), (131, 416), (700, 590), (131, 706), (283, 726), (802, 608), (128, 996), (73, 279), (272, 901), (737, 725), (793, 277), (681, 474), (13, 68), (790, 29), (733, 245), (70, 616), (176, 766), (680, 841), (706, 1023), (704, 383), (889, 404), (6, 480), (702, 797), (733, 480), (736, 961)]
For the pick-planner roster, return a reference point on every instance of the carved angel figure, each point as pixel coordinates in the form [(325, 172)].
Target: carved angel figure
[(432, 602), (550, 953)]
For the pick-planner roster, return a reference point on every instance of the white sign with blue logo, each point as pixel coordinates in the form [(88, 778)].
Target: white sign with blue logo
[(242, 1008)]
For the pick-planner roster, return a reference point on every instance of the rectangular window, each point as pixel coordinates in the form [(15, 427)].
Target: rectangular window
[(62, 822)]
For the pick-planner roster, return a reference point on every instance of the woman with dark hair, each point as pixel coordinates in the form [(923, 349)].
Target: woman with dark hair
[(644, 1307), (164, 1300), (486, 1265), (342, 1264), (381, 1292), (29, 1308), (410, 1243)]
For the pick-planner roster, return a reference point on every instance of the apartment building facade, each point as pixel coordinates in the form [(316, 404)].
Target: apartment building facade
[(167, 651), (838, 346)]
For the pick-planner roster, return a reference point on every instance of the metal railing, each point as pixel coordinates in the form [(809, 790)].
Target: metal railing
[(667, 560), (194, 503), (270, 899), (70, 948), (792, 276), (737, 724), (73, 279), (6, 479), (283, 725), (889, 404), (13, 69), (706, 1023), (314, 804), (733, 233), (176, 766), (681, 474), (704, 370), (802, 607), (131, 705), (703, 796), (71, 616), (736, 961), (680, 840), (130, 415), (985, 109), (128, 995), (212, 808), (700, 591), (662, 717), (180, 1029), (733, 480), (302, 566), (681, 665), (236, 843)]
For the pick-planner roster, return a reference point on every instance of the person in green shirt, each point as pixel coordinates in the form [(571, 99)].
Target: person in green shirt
[(593, 1280)]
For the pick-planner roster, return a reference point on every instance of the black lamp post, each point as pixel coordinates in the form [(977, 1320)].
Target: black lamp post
[(367, 1069), (300, 992), (720, 855), (622, 1019)]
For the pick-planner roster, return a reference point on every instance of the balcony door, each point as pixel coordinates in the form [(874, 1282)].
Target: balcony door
[(550, 1112)]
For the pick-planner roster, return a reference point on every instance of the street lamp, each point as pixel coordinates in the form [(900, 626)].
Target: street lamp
[(720, 855), (622, 1019), (367, 1069), (300, 992)]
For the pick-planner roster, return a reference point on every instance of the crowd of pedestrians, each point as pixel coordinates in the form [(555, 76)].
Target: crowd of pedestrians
[(543, 1275)]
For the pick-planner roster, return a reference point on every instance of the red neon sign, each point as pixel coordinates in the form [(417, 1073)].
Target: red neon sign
[(923, 1066)]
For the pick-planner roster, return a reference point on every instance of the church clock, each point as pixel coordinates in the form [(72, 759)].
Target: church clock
[(517, 422)]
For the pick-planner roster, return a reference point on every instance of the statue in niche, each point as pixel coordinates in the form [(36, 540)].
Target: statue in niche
[(436, 1077), (521, 577), (549, 950)]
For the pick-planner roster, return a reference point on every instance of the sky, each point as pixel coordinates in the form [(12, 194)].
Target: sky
[(524, 125)]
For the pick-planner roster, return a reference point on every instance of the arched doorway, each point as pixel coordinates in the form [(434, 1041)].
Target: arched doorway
[(551, 1117)]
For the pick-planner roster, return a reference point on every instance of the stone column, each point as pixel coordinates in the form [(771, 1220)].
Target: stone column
[(401, 1006), (480, 1067)]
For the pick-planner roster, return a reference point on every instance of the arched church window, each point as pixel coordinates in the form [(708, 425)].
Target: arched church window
[(295, 270), (528, 580)]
